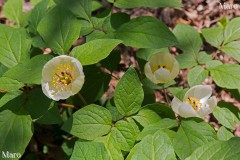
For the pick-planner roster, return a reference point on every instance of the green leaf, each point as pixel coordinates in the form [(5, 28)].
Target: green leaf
[(213, 36), (81, 9), (124, 135), (153, 147), (180, 95), (232, 30), (186, 60), (161, 125), (9, 96), (128, 94), (225, 117), (223, 134), (203, 57), (234, 109), (232, 49), (3, 69), (162, 109), (15, 45), (189, 39), (112, 61), (94, 51), (226, 75), (146, 53), (213, 64), (113, 148), (96, 5), (196, 75), (89, 122), (89, 151), (29, 72), (227, 150), (15, 131), (187, 140), (9, 84), (145, 32), (96, 83), (38, 12), (12, 9), (113, 110), (146, 116), (146, 3), (38, 104), (63, 29)]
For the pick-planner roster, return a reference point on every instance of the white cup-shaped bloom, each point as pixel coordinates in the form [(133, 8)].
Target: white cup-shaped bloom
[(161, 68), (197, 102), (62, 77)]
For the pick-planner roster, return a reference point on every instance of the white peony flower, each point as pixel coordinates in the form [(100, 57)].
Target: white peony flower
[(161, 68), (62, 77), (196, 102)]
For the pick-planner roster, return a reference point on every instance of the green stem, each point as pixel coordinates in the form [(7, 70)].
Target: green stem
[(82, 99), (165, 95)]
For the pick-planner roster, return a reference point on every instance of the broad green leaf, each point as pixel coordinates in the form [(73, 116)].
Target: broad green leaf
[(146, 116), (15, 131), (12, 10), (225, 150), (117, 19), (62, 30), (96, 34), (96, 5), (146, 53), (15, 45), (128, 94), (197, 75), (213, 64), (153, 128), (232, 30), (94, 51), (81, 9), (223, 134), (146, 3), (234, 109), (9, 96), (175, 90), (187, 140), (226, 75), (189, 39), (68, 145), (232, 49), (205, 129), (38, 12), (153, 147), (225, 117), (214, 36), (38, 104), (124, 135), (113, 110), (89, 122), (113, 148), (96, 83), (145, 32), (203, 57), (89, 151), (186, 60), (29, 72), (3, 69), (162, 109), (180, 95), (112, 61), (8, 84)]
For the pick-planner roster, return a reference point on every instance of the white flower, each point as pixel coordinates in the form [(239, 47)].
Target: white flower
[(161, 68), (196, 102), (62, 77)]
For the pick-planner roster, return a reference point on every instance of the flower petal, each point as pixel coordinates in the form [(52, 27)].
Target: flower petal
[(208, 108), (149, 74), (176, 104), (161, 58), (175, 70), (202, 92), (186, 111), (162, 75)]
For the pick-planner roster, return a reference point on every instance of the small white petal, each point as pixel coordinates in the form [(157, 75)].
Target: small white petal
[(162, 75), (202, 92), (208, 108), (186, 110), (176, 104), (148, 73), (175, 70)]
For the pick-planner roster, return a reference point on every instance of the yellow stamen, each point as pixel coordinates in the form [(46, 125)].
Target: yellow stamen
[(194, 102), (155, 68), (62, 77)]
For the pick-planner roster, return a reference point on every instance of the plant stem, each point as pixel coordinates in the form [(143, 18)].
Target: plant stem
[(165, 95), (82, 98), (67, 105)]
